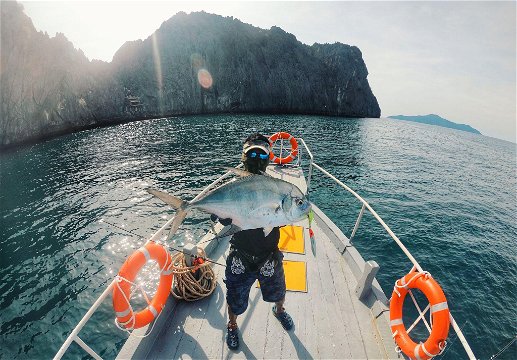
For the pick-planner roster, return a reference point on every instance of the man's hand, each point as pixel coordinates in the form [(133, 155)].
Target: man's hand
[(224, 222)]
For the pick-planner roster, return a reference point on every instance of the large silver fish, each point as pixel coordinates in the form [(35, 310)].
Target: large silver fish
[(252, 202)]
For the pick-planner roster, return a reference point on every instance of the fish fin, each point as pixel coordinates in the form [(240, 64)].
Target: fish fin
[(176, 203), (178, 219), (173, 201), (239, 171), (265, 210), (267, 230)]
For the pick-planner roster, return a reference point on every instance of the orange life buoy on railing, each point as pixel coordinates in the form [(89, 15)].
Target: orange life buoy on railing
[(294, 147), (126, 276), (435, 343)]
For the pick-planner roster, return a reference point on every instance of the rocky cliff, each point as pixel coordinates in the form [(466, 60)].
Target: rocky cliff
[(196, 63)]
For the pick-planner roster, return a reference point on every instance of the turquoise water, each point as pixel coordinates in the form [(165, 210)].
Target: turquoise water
[(450, 196)]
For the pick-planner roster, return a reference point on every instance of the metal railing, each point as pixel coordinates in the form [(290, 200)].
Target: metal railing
[(74, 334), (415, 263), (311, 158)]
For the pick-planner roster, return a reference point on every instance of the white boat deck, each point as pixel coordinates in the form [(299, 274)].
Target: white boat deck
[(330, 321)]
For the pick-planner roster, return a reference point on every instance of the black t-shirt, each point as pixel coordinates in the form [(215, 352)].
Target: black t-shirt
[(255, 243)]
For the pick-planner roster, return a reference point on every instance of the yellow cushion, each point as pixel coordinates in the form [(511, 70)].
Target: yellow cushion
[(292, 239), (295, 275)]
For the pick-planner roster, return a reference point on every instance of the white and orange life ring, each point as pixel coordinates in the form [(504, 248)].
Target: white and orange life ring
[(294, 147), (435, 343), (126, 276)]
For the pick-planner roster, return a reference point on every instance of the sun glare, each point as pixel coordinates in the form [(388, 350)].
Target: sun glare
[(204, 78), (158, 70)]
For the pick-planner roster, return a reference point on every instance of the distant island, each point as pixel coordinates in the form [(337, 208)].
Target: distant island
[(193, 64), (433, 119)]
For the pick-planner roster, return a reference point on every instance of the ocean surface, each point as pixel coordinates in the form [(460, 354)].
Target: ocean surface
[(449, 195)]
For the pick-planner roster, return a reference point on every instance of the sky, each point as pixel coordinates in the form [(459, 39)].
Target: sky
[(454, 59)]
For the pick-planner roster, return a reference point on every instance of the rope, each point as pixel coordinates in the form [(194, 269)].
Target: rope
[(446, 348), (442, 346), (406, 286), (504, 348), (176, 249), (199, 257), (120, 279), (187, 286), (192, 282), (166, 266), (132, 319)]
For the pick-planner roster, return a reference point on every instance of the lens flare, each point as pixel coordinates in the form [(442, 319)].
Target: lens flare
[(204, 78), (158, 70)]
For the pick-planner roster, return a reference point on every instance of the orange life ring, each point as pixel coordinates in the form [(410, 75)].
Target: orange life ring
[(440, 316), (127, 275), (294, 147)]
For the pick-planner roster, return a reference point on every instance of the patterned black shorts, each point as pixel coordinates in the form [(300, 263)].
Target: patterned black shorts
[(239, 281)]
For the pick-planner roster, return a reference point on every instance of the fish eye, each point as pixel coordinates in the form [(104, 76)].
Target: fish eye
[(299, 202)]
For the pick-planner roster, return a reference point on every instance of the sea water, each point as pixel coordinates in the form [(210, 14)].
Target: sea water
[(450, 196)]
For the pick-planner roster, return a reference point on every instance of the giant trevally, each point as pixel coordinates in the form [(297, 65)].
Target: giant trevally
[(252, 202)]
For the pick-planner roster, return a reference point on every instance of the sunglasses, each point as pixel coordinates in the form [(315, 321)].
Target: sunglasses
[(261, 156)]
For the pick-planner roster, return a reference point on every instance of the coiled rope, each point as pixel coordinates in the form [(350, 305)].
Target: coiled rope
[(192, 282)]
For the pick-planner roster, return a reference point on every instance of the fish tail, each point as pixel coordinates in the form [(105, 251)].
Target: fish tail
[(178, 219), (169, 199), (175, 202)]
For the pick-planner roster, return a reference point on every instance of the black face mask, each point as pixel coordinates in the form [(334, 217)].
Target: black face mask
[(254, 165)]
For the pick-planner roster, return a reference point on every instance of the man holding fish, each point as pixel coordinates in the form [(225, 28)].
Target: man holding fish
[(257, 205)]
